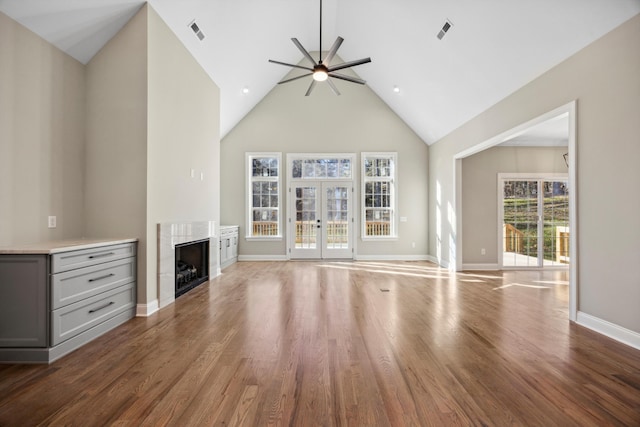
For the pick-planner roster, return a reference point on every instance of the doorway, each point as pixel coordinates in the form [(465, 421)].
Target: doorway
[(534, 221), (321, 225), (456, 250)]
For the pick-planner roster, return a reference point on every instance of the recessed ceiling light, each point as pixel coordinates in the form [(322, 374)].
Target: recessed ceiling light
[(245, 90), (396, 89)]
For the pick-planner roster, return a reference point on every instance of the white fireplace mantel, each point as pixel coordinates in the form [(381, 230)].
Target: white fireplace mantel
[(171, 234)]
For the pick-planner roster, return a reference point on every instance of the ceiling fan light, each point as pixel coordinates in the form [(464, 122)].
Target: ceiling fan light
[(320, 75)]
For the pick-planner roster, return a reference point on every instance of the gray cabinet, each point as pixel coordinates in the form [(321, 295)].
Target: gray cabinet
[(228, 245), (23, 300), (51, 304)]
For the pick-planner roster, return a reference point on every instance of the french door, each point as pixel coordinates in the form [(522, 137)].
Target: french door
[(321, 220), (534, 216)]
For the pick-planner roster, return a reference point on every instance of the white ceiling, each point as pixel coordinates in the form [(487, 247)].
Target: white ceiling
[(551, 133), (493, 48)]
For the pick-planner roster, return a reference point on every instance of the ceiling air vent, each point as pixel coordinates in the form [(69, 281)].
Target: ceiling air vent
[(444, 29), (196, 30)]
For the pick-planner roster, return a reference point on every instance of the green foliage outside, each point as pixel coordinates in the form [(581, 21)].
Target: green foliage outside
[(522, 213)]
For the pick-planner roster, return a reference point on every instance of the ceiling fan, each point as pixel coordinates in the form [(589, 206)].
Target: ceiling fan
[(322, 70)]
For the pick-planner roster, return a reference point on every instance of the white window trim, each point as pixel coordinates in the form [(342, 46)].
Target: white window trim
[(394, 196), (249, 195)]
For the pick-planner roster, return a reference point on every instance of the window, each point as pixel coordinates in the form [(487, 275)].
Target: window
[(321, 167), (263, 170), (378, 195)]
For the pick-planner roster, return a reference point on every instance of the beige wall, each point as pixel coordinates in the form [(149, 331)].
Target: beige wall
[(153, 114), (42, 101), (116, 142), (603, 78), (183, 134), (480, 193), (108, 148), (288, 122)]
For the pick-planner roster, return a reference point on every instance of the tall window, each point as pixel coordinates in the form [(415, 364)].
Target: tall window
[(378, 195), (263, 170)]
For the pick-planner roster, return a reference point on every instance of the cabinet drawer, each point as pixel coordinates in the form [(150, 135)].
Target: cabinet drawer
[(75, 285), (81, 316), (87, 257)]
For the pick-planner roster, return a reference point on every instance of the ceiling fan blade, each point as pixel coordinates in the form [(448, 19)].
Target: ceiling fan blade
[(303, 50), (332, 51), (347, 78), (311, 86), (294, 78), (333, 87), (349, 64), (291, 65)]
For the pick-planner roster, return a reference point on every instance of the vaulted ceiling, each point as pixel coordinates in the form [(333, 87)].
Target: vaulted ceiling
[(493, 48)]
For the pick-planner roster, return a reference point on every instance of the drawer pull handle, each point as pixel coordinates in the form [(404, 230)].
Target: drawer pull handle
[(102, 277), (102, 307), (101, 255)]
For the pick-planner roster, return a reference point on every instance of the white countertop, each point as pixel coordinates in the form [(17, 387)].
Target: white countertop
[(47, 248)]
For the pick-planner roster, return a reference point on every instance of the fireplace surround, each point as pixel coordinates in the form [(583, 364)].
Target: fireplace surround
[(172, 234)]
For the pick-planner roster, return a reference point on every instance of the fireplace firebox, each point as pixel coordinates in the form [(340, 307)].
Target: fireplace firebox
[(192, 265)]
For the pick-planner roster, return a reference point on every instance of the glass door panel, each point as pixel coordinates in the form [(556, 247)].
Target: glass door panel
[(535, 229), (307, 221), (322, 221), (337, 220), (555, 220), (520, 223)]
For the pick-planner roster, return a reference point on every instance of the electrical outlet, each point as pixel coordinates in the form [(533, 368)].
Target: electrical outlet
[(483, 251), (52, 222)]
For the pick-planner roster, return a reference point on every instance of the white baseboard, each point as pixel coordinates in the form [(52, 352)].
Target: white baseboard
[(609, 329), (391, 258), (442, 263), (146, 310), (480, 267), (262, 258)]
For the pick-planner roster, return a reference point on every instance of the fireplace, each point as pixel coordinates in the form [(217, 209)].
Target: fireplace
[(192, 265), (173, 234)]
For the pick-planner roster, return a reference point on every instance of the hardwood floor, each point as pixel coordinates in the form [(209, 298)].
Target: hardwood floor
[(341, 343)]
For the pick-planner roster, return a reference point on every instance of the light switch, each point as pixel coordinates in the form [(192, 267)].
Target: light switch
[(52, 222)]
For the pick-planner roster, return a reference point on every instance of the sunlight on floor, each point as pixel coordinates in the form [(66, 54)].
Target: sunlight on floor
[(409, 270), (521, 285)]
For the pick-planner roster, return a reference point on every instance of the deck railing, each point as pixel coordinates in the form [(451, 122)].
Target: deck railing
[(513, 239)]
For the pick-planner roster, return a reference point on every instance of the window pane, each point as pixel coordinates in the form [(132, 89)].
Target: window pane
[(320, 169), (345, 168), (296, 171), (332, 168), (309, 169)]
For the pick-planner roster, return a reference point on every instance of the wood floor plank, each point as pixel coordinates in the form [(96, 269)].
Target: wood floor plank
[(341, 344)]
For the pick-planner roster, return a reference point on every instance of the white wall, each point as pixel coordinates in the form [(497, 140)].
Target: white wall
[(603, 78), (42, 101), (288, 122)]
